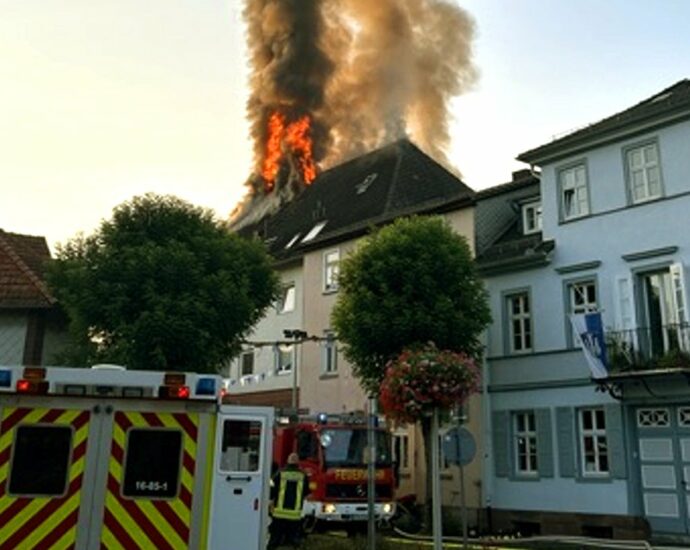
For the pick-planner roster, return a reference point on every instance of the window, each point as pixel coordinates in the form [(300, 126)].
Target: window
[(307, 446), (664, 311), (573, 189), (582, 298), (531, 218), (331, 266), (594, 451), (519, 323), (286, 303), (525, 443), (314, 231), (247, 363), (329, 364), (40, 461), (152, 464), (241, 447), (644, 173), (444, 461), (292, 241), (402, 451), (284, 359)]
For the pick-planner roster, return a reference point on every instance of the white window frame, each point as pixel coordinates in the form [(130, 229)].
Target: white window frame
[(644, 170), (580, 288), (331, 269), (568, 182), (531, 217), (526, 433), (575, 288), (329, 354), (281, 353), (287, 300), (599, 446), (243, 355), (524, 318)]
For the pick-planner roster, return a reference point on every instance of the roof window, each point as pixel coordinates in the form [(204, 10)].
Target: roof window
[(366, 183), (314, 231), (293, 240)]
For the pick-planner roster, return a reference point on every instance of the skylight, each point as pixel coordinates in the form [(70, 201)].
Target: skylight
[(366, 182), (661, 97), (292, 241), (314, 231)]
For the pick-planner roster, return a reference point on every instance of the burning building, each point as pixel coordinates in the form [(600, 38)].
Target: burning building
[(334, 79)]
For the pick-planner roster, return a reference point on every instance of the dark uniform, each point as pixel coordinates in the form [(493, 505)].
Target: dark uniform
[(290, 487)]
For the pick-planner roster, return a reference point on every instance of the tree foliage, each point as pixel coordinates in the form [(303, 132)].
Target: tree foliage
[(408, 284), (162, 285)]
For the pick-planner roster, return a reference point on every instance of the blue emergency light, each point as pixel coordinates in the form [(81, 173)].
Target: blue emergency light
[(5, 378), (206, 386)]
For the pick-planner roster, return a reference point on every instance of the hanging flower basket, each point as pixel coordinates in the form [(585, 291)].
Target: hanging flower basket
[(418, 381)]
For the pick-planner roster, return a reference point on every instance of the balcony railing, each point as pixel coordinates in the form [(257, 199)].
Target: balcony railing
[(646, 348)]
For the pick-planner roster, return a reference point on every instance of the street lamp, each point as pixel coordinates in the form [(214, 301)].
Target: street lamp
[(297, 335)]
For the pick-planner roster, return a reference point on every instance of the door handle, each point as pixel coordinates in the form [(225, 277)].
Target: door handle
[(239, 478)]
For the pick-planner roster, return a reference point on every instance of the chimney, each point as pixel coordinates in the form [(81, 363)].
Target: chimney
[(522, 174)]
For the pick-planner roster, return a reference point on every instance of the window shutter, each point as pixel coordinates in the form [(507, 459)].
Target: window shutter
[(625, 304), (565, 421), (544, 442), (680, 304), (625, 310), (616, 441), (501, 430)]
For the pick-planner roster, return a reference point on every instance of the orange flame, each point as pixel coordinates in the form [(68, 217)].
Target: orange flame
[(293, 136)]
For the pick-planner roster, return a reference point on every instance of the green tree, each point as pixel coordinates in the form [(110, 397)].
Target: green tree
[(411, 283), (408, 284), (162, 285)]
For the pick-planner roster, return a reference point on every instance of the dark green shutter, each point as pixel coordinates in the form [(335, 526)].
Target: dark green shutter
[(616, 441), (501, 432), (565, 422), (544, 442)]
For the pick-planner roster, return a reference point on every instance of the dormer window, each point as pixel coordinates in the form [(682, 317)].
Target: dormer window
[(531, 217)]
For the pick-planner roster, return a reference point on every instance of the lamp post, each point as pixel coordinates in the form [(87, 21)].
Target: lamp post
[(297, 336)]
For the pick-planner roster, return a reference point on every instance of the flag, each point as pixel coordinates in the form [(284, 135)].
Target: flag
[(590, 333)]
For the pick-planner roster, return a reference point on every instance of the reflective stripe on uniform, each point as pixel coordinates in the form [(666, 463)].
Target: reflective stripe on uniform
[(286, 507)]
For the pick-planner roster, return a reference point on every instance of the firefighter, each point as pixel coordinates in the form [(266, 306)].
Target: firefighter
[(289, 488)]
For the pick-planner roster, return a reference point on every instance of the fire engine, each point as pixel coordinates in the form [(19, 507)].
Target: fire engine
[(107, 458), (333, 453)]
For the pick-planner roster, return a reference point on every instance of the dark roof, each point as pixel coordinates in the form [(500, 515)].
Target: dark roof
[(396, 180), (22, 261), (669, 104), (521, 178)]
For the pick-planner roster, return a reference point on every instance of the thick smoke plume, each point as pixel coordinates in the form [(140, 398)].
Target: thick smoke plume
[(361, 73)]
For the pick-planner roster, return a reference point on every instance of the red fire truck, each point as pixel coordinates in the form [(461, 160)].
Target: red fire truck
[(332, 450)]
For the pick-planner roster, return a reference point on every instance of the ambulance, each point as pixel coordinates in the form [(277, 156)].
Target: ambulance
[(107, 458)]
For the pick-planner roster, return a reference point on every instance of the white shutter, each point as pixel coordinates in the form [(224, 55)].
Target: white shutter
[(625, 304), (680, 312), (625, 310)]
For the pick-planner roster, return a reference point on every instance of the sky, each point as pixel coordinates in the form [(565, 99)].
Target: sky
[(102, 100)]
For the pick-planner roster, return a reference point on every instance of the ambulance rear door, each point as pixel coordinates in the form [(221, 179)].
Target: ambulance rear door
[(45, 445), (241, 478)]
